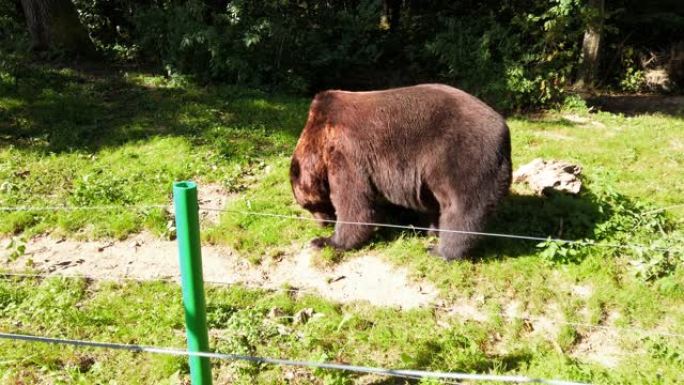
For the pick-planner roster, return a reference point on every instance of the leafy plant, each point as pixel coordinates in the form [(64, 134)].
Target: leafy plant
[(660, 258), (243, 333), (560, 252), (101, 188), (633, 80), (16, 247), (331, 377), (574, 103)]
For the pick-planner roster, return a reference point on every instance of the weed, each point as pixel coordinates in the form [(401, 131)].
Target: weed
[(559, 252), (16, 247), (574, 103)]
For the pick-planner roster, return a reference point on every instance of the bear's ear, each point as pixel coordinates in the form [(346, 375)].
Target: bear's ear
[(295, 170)]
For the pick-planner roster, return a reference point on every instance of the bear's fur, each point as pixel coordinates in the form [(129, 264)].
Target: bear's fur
[(429, 148)]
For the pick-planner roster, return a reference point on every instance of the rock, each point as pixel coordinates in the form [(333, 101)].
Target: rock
[(303, 316), (276, 312), (543, 175), (572, 118)]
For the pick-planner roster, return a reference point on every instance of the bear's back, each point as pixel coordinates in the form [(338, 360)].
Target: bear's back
[(401, 135)]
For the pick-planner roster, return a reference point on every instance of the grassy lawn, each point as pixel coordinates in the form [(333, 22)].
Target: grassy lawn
[(120, 138)]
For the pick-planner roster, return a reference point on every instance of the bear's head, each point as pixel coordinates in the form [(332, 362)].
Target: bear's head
[(309, 168), (309, 180)]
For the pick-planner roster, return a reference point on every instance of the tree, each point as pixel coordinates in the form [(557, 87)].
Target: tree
[(391, 11), (55, 24), (591, 44)]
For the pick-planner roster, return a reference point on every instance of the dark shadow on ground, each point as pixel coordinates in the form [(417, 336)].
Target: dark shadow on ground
[(52, 109), (631, 105), (556, 215)]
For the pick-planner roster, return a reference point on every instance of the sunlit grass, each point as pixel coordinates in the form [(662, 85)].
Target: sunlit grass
[(74, 138)]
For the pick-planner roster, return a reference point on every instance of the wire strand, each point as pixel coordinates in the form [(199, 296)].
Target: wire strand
[(418, 228), (79, 208), (175, 280), (403, 373), (356, 223)]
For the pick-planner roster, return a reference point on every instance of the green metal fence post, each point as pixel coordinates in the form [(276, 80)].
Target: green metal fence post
[(187, 229)]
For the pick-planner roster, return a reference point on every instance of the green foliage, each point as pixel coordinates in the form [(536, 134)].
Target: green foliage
[(14, 42), (517, 55), (661, 257), (633, 80), (101, 188), (331, 377), (514, 63), (242, 334), (271, 43), (559, 252), (574, 103), (631, 225), (17, 248)]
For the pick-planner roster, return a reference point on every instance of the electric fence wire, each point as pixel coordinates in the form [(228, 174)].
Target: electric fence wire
[(402, 373), (415, 374), (418, 228), (356, 223)]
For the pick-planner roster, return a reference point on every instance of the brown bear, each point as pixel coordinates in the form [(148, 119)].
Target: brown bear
[(429, 148)]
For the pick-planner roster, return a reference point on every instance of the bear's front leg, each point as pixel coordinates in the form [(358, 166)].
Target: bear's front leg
[(353, 198), (465, 221)]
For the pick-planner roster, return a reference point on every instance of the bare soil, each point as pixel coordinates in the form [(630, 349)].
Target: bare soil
[(367, 278), (145, 257)]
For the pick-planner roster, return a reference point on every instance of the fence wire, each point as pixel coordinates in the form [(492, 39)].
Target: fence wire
[(587, 243), (83, 208), (410, 374), (402, 373)]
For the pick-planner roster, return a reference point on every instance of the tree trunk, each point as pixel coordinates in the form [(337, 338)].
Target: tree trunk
[(55, 24), (591, 44), (391, 11)]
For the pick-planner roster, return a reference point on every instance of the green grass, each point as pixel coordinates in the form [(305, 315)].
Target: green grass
[(106, 138), (88, 139)]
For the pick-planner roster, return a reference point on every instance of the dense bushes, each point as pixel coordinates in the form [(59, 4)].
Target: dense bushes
[(13, 36), (514, 54), (509, 57)]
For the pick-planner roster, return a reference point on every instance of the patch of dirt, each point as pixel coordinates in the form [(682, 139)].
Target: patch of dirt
[(601, 345), (677, 145), (553, 135), (548, 325), (211, 198), (582, 291), (513, 309), (467, 309), (366, 278), (576, 119)]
